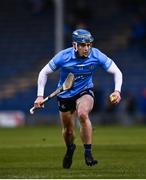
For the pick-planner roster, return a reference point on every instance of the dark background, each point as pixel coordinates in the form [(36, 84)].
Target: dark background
[(27, 43)]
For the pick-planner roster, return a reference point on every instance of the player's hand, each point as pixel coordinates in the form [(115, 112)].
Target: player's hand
[(38, 102), (115, 97)]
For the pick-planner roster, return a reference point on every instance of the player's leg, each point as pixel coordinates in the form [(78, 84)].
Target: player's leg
[(68, 124), (84, 105)]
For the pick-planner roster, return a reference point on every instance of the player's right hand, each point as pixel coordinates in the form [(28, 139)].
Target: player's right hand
[(39, 102)]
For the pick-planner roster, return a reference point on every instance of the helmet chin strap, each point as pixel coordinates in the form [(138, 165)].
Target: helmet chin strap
[(76, 47)]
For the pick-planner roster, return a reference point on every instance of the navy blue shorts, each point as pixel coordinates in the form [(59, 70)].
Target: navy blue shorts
[(69, 104)]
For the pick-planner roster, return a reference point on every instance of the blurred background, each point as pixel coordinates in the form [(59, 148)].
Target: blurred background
[(32, 31)]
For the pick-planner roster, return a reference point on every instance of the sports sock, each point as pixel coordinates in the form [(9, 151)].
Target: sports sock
[(87, 149), (70, 146)]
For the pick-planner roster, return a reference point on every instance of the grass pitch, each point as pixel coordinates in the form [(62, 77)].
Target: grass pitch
[(37, 152)]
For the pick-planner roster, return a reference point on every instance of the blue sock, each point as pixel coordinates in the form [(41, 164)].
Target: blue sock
[(87, 149), (70, 146)]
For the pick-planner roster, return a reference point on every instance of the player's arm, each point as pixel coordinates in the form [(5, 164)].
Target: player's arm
[(52, 66), (42, 79), (115, 97)]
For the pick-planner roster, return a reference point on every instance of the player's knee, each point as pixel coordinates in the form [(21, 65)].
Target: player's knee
[(83, 115), (68, 132)]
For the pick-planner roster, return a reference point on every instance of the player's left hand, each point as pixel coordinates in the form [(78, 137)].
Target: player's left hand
[(115, 97)]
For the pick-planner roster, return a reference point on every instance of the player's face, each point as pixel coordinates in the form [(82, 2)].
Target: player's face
[(84, 49)]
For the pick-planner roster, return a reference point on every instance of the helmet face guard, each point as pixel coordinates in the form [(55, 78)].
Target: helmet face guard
[(82, 36)]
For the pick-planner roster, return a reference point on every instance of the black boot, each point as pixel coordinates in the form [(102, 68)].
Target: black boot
[(67, 161), (90, 161)]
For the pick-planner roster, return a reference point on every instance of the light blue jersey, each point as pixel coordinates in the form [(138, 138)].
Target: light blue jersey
[(82, 68)]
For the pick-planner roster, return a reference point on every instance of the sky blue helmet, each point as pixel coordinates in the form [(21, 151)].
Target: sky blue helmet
[(82, 36)]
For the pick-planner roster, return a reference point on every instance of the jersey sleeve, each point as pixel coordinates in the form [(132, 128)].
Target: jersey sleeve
[(105, 61), (56, 61)]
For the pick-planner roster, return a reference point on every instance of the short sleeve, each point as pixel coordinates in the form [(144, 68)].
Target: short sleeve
[(105, 61), (56, 61)]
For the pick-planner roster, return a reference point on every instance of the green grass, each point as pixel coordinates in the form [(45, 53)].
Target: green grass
[(37, 152)]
